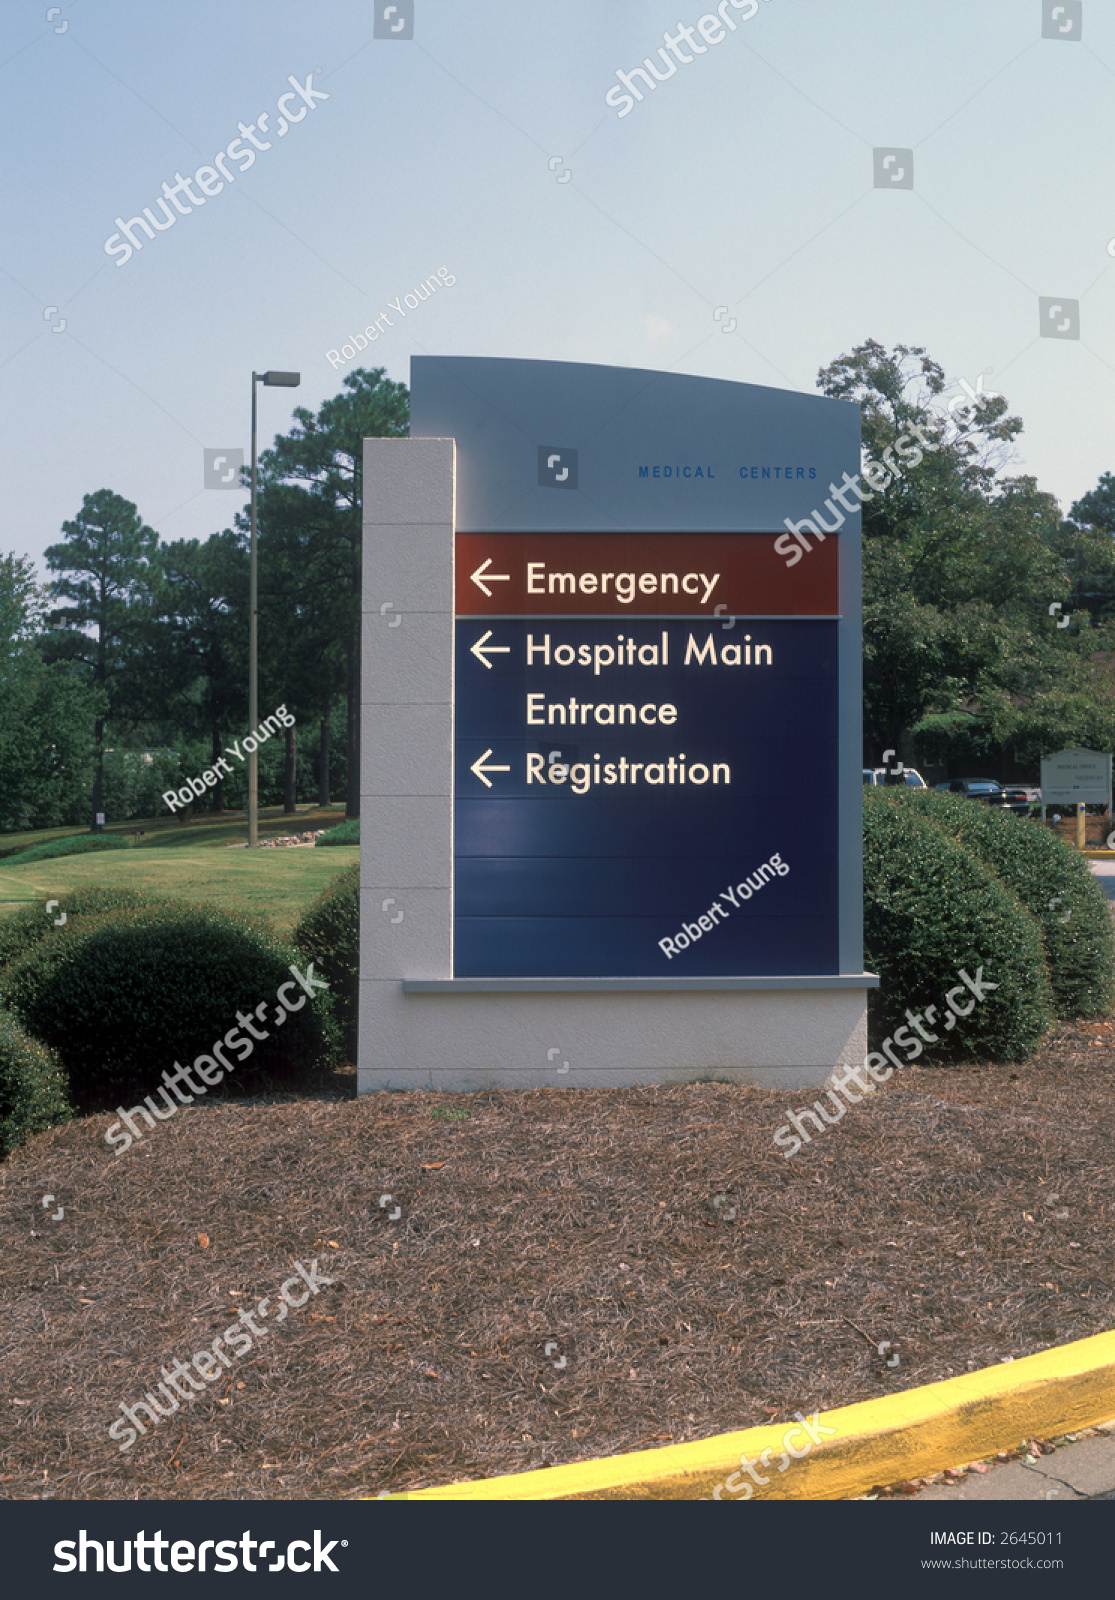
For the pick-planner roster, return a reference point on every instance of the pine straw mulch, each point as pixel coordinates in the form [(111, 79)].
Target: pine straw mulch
[(561, 1283)]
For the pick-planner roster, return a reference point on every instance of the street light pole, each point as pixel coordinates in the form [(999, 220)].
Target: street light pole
[(253, 664), (272, 380)]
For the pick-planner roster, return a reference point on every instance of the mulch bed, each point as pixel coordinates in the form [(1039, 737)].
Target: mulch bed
[(566, 1278)]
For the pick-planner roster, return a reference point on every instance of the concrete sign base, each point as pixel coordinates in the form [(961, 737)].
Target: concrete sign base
[(448, 1036)]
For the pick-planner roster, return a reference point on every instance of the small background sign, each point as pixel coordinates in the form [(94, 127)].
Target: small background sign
[(1070, 777)]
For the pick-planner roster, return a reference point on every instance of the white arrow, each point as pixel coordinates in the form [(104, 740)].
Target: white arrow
[(481, 649), (480, 769), (482, 577)]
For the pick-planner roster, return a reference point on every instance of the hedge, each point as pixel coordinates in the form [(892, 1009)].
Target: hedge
[(32, 1086), (330, 934), (932, 908), (78, 844), (29, 927), (344, 833), (1054, 884), (124, 998)]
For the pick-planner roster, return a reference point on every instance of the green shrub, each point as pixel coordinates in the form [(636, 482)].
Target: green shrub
[(931, 907), (75, 844), (344, 833), (195, 756), (133, 781), (1054, 884), (330, 934), (32, 1086), (27, 928), (124, 997)]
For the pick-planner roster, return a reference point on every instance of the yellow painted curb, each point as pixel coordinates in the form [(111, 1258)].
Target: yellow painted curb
[(877, 1441)]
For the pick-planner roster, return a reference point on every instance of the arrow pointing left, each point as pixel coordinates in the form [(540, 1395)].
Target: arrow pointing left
[(480, 769), (482, 649), (482, 572)]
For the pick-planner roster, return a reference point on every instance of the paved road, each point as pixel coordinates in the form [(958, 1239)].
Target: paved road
[(1081, 1471), (1104, 873)]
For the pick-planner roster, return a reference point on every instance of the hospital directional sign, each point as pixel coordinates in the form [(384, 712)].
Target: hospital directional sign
[(611, 723), (645, 754)]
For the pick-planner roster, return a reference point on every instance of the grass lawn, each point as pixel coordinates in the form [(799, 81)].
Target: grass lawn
[(192, 860)]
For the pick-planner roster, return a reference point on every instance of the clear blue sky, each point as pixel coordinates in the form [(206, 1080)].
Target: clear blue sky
[(744, 181)]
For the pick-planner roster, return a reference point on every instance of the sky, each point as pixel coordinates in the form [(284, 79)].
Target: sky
[(728, 224)]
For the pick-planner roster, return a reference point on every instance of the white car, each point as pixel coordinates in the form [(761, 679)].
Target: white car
[(878, 777)]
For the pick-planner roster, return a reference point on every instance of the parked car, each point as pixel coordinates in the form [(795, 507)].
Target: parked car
[(1022, 798), (879, 777), (989, 790)]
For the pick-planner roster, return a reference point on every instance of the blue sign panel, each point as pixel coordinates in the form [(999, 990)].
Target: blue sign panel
[(642, 796)]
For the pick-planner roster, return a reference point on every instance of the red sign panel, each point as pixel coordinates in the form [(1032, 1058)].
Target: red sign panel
[(642, 574)]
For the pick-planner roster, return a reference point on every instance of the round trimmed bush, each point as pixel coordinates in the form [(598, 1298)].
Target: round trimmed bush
[(931, 908), (32, 1086), (330, 933), (125, 997), (1054, 884), (28, 928), (77, 844)]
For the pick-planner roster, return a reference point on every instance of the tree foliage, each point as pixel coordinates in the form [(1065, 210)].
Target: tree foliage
[(200, 650), (311, 535), (46, 713), (129, 671), (961, 564), (110, 560)]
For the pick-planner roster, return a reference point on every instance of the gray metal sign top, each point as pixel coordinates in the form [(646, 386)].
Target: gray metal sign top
[(631, 449), (1072, 777)]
